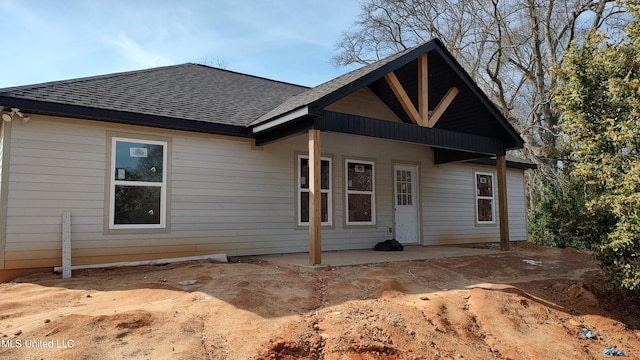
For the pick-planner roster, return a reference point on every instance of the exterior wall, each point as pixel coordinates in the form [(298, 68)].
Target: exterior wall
[(4, 133), (364, 102), (226, 195), (449, 205)]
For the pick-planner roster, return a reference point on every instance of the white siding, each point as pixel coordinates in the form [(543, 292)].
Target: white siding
[(449, 205), (227, 196), (517, 205)]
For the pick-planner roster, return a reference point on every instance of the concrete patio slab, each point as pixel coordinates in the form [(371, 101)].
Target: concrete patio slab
[(359, 257)]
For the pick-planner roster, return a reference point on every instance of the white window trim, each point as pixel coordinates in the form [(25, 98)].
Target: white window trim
[(162, 185), (348, 192), (323, 191), (478, 197)]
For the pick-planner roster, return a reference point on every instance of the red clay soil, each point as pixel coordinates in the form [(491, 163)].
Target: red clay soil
[(529, 303)]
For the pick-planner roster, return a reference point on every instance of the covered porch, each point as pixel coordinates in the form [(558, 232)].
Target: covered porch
[(419, 96)]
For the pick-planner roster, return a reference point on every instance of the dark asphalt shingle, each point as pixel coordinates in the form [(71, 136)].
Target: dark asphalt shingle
[(188, 91), (322, 90)]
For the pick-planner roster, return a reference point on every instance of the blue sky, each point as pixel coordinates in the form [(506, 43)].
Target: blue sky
[(286, 40)]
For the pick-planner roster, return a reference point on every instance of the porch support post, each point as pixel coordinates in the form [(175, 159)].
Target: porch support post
[(315, 200), (501, 164)]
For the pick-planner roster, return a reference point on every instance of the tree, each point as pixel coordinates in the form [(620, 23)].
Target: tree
[(507, 46), (598, 99)]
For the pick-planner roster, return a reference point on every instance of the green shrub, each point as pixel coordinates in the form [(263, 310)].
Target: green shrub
[(561, 219)]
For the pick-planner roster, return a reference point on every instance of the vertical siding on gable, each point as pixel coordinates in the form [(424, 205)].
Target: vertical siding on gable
[(227, 196)]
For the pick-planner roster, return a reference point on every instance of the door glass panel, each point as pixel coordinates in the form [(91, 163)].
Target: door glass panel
[(403, 187)]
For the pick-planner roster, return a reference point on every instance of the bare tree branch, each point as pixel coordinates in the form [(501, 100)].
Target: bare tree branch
[(507, 46)]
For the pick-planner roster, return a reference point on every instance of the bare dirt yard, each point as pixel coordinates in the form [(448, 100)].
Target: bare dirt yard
[(529, 303)]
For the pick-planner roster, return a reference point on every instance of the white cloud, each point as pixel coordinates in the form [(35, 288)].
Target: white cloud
[(136, 52), (283, 39)]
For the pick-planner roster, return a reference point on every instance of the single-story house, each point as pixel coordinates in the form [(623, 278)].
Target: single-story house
[(189, 160)]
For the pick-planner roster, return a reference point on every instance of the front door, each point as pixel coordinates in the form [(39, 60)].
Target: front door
[(406, 204)]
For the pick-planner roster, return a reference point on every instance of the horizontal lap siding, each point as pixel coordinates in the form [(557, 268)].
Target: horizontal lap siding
[(517, 205), (54, 166), (226, 196), (449, 206), (384, 153)]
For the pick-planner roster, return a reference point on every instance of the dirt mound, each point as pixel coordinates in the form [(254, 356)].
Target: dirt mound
[(530, 303)]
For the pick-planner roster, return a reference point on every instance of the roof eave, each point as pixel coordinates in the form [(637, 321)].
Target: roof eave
[(514, 164), (318, 106), (435, 44), (122, 117), (518, 142), (280, 120)]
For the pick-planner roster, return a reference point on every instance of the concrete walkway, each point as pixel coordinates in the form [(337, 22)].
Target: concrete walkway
[(358, 257)]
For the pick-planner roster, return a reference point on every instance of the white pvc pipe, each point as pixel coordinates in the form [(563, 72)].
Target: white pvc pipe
[(214, 257)]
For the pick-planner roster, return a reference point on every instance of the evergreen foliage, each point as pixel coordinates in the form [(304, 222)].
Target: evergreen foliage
[(561, 219), (598, 99)]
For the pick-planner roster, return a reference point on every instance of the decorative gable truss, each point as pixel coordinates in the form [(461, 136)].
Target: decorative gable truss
[(421, 116), (266, 110)]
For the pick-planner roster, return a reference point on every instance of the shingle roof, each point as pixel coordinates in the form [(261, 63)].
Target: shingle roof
[(200, 98), (328, 88), (188, 91)]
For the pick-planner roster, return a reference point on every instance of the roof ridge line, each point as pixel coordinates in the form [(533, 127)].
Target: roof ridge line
[(251, 75), (89, 78)]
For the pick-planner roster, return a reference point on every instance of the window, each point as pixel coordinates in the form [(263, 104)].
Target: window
[(485, 213), (360, 192), (138, 184), (325, 190)]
